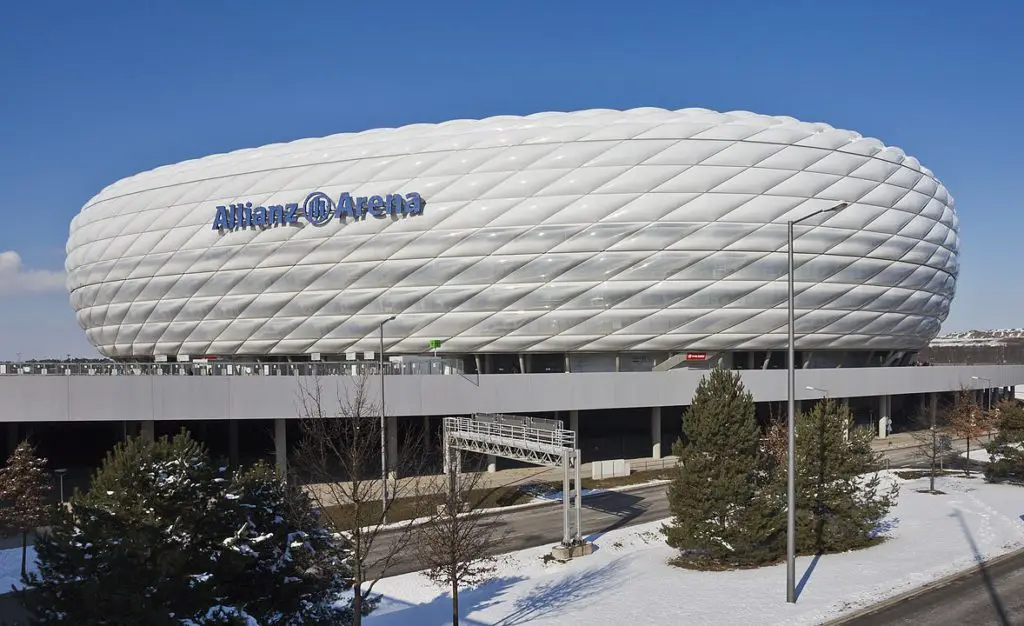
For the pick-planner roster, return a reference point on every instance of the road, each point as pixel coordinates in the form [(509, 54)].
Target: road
[(990, 594), (541, 525)]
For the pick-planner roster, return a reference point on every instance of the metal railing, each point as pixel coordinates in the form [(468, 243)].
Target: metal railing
[(462, 427), (419, 367)]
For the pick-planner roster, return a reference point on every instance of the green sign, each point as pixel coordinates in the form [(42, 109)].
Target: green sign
[(435, 344)]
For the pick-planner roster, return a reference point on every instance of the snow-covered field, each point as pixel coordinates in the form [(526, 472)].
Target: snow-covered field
[(627, 580)]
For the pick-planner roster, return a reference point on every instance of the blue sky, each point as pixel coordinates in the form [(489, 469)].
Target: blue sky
[(93, 92)]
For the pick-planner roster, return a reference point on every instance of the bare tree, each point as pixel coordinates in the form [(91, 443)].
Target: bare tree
[(967, 421), (454, 545), (339, 453), (929, 432)]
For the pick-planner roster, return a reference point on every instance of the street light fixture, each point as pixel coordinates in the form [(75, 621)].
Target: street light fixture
[(60, 473), (791, 401), (988, 398), (383, 432)]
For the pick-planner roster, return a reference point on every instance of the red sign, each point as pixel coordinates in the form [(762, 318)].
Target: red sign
[(696, 356)]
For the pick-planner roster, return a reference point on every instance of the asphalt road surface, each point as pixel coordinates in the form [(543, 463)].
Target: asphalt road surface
[(526, 528), (991, 594)]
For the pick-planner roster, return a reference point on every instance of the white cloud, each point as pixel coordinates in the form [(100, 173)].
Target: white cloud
[(16, 279)]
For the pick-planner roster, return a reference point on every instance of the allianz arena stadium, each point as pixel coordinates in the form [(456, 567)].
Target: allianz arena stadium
[(599, 232)]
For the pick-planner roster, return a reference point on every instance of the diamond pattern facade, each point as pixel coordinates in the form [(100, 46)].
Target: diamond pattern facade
[(592, 231)]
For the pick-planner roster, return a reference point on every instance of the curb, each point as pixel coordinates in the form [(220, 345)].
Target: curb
[(923, 589)]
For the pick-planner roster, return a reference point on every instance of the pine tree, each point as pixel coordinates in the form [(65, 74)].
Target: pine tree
[(841, 498), (165, 537), (1007, 449), (281, 563), (24, 491), (722, 515)]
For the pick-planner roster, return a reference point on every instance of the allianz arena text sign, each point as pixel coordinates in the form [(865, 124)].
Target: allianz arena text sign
[(317, 209)]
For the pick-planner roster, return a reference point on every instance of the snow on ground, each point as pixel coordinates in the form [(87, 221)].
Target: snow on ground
[(10, 566), (627, 580), (978, 455)]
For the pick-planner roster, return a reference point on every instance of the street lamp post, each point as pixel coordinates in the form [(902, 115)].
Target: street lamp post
[(60, 473), (791, 426), (383, 432)]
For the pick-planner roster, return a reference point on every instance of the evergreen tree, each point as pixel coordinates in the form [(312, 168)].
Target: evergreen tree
[(841, 498), (164, 537), (282, 565), (1007, 449), (722, 515), (24, 492)]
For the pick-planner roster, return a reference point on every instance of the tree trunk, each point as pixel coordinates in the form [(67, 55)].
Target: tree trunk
[(357, 602), (967, 459), (24, 550), (455, 603), (931, 475)]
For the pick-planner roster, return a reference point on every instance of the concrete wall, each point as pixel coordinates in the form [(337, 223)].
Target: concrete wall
[(99, 398)]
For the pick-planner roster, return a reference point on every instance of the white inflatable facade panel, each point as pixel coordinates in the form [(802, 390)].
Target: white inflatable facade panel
[(593, 231)]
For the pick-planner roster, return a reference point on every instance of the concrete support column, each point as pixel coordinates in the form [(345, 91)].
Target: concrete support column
[(428, 435), (656, 432), (574, 424), (148, 431), (233, 442), (845, 404), (933, 407), (281, 445), (884, 407), (492, 463), (392, 438)]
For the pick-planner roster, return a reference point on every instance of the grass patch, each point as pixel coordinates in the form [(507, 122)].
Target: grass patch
[(408, 508)]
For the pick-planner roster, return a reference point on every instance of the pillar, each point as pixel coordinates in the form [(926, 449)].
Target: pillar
[(148, 431), (933, 408), (574, 424), (428, 435), (845, 404), (233, 442), (281, 444), (392, 439), (492, 463), (656, 432), (884, 406)]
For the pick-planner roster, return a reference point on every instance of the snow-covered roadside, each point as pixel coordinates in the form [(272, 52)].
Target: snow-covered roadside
[(10, 567), (628, 581)]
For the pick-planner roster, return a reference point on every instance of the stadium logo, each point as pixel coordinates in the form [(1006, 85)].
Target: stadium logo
[(318, 209)]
